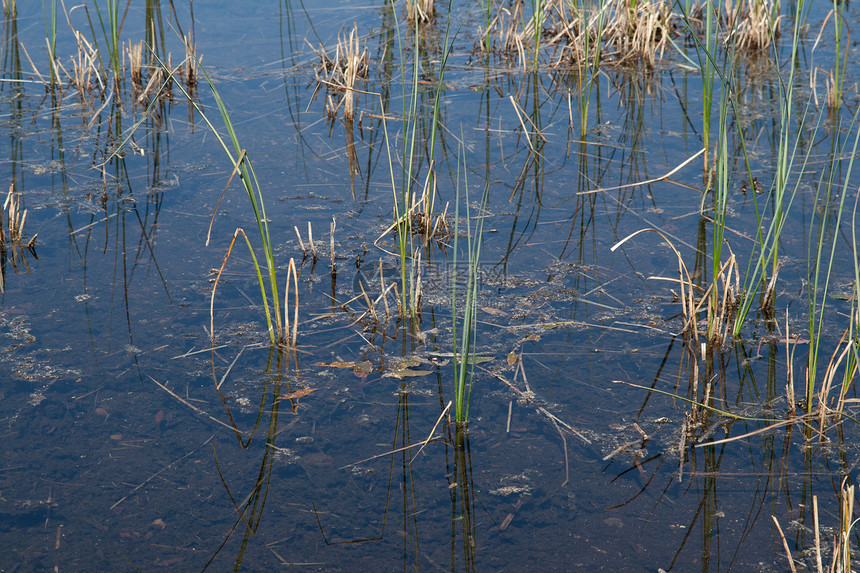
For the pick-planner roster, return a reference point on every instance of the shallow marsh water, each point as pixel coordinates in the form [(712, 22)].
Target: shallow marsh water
[(117, 448)]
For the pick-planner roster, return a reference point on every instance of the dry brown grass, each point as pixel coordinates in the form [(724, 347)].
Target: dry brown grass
[(15, 219), (571, 37), (190, 70), (85, 72), (752, 24), (504, 37), (639, 31), (135, 63), (723, 306), (633, 32), (840, 550), (339, 73), (628, 32), (420, 11)]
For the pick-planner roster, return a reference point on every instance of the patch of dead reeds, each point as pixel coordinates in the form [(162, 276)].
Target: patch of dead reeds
[(15, 219), (572, 34), (340, 72), (135, 63), (420, 11), (752, 24), (639, 31), (13, 245), (625, 31), (190, 70), (504, 37), (85, 71), (839, 547)]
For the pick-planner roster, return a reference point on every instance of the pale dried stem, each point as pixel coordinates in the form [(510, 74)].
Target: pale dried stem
[(301, 243), (15, 220), (785, 545), (292, 334), (191, 60), (332, 227), (135, 63)]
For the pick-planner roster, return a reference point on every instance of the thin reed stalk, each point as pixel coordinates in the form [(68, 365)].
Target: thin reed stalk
[(51, 37), (411, 212), (589, 66), (465, 344), (110, 32)]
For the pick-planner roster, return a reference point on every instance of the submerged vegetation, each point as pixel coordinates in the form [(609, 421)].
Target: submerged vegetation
[(754, 272)]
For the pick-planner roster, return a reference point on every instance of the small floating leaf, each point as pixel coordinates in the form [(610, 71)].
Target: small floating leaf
[(512, 358), (363, 368), (336, 364), (406, 373), (531, 338), (296, 395), (494, 311)]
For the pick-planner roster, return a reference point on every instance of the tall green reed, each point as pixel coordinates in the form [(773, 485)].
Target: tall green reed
[(721, 185), (50, 36), (589, 65), (405, 197), (242, 164), (110, 30), (435, 121), (764, 262), (838, 76), (537, 21), (708, 68), (464, 345), (488, 18), (829, 212), (403, 203), (853, 331)]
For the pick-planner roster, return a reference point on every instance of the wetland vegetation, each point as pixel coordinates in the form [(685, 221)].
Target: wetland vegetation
[(414, 285)]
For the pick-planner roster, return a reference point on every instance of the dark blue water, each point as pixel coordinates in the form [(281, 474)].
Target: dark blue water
[(130, 440)]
